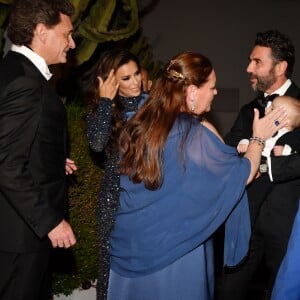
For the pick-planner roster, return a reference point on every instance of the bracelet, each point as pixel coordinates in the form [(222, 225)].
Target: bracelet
[(258, 140)]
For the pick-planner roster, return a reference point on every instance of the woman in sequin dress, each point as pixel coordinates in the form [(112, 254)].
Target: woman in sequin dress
[(114, 96)]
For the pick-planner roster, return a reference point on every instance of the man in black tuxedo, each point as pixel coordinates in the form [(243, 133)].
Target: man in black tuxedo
[(33, 162), (270, 68)]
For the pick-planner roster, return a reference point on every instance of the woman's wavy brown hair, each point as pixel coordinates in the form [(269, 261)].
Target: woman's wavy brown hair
[(111, 59), (144, 136)]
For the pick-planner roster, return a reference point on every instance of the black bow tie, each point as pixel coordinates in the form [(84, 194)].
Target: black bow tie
[(265, 100)]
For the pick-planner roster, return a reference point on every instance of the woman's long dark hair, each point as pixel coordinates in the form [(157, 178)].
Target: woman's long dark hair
[(111, 59)]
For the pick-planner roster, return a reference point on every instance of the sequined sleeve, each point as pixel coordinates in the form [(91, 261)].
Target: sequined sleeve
[(99, 125)]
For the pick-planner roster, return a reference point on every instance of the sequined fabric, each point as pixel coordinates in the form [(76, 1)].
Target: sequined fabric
[(98, 131)]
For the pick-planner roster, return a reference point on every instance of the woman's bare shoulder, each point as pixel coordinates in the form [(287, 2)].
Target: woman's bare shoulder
[(212, 128)]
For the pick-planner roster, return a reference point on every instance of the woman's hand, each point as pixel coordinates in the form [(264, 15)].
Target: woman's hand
[(109, 87), (265, 127)]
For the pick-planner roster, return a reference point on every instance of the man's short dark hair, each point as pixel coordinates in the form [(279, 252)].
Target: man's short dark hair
[(281, 45), (26, 14)]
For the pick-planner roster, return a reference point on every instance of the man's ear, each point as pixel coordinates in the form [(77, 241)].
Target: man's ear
[(41, 32), (281, 67)]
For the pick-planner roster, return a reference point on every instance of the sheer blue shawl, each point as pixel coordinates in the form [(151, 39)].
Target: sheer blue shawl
[(204, 186)]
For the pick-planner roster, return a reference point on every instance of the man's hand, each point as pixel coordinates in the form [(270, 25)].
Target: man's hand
[(62, 235), (70, 166)]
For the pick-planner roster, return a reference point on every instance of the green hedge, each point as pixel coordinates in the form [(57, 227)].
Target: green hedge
[(79, 265)]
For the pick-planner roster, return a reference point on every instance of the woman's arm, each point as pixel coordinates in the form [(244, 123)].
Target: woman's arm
[(99, 122)]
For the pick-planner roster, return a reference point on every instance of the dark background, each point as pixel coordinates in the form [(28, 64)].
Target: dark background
[(225, 32)]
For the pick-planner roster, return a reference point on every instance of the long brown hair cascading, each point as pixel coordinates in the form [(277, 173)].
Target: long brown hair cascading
[(110, 59), (143, 138)]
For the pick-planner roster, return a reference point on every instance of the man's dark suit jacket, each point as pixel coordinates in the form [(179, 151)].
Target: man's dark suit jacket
[(242, 127), (32, 156), (280, 206)]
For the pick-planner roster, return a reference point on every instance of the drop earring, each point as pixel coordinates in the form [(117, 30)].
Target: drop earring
[(193, 105)]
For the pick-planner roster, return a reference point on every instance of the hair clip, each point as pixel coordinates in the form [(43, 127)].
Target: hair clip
[(175, 74)]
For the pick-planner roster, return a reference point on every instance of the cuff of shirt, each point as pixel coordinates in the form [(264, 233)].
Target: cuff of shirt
[(269, 168)]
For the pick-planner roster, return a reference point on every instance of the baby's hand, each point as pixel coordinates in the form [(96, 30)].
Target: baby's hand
[(278, 150), (242, 148)]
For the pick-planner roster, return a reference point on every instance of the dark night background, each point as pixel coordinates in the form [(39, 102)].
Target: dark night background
[(225, 32)]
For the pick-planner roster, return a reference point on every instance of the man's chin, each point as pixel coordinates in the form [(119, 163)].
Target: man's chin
[(254, 87)]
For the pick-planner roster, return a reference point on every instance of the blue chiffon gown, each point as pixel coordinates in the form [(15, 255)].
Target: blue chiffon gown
[(190, 277), (287, 284), (161, 247)]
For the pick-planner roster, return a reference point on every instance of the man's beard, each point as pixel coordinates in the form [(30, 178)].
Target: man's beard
[(265, 82)]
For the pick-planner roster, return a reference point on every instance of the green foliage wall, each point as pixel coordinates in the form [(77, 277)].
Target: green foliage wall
[(79, 264)]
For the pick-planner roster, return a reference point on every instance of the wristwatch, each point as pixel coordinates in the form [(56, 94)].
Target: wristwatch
[(263, 168)]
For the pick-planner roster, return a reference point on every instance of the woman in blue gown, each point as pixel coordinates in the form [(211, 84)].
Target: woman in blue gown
[(287, 284), (179, 183)]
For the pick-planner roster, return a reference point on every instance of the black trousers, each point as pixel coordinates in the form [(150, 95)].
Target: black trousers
[(25, 276), (265, 250)]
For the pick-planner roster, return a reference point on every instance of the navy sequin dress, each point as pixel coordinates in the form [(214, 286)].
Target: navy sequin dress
[(99, 126)]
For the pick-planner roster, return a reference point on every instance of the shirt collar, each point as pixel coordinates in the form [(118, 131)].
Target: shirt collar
[(281, 91), (36, 59)]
